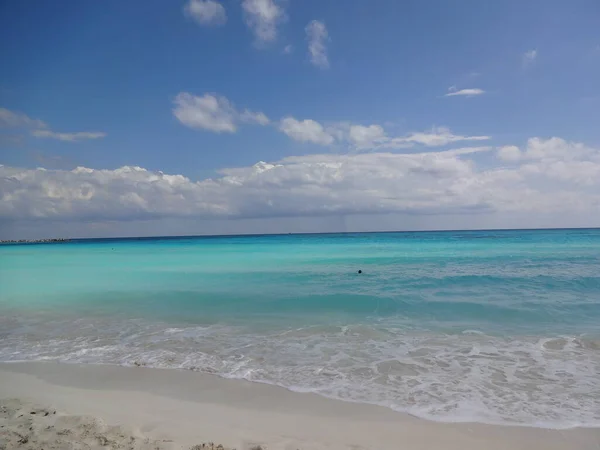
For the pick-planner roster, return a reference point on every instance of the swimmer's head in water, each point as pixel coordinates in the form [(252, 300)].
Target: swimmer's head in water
[(360, 271)]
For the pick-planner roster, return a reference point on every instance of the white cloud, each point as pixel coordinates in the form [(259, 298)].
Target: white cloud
[(316, 34), (564, 177), (216, 113), (529, 57), (19, 120), (68, 137), (436, 137), (205, 12), (560, 160), (547, 150), (466, 151), (257, 118), (363, 137), (366, 136), (359, 137), (510, 153), (210, 112), (262, 17), (305, 131), (464, 92), (213, 112), (288, 49), (40, 129), (556, 149)]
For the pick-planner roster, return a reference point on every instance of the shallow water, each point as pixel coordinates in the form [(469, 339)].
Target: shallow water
[(494, 326)]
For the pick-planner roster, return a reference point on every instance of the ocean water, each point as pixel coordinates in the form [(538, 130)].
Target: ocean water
[(486, 326)]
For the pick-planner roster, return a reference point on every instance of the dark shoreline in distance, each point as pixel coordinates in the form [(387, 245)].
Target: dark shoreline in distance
[(33, 241)]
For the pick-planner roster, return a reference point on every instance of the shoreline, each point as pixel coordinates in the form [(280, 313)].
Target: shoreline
[(35, 241), (461, 420), (190, 407)]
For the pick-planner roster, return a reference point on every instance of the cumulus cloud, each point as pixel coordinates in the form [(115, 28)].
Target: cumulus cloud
[(554, 176), (561, 160), (509, 153), (452, 92), (217, 114), (557, 159), (556, 149), (68, 137), (359, 137), (305, 131), (205, 12), (19, 120), (210, 112), (317, 36), (213, 113), (366, 136), (548, 150), (262, 17)]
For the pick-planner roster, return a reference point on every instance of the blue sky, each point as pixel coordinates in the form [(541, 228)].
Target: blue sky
[(103, 85)]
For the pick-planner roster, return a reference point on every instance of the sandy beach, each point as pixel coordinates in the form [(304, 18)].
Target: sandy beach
[(55, 406)]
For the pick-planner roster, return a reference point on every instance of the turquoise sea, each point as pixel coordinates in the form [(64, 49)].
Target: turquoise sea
[(487, 326)]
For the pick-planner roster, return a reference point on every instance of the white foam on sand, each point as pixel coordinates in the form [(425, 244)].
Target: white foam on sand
[(178, 409)]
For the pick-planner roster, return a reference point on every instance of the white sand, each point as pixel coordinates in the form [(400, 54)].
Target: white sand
[(168, 409), (29, 426)]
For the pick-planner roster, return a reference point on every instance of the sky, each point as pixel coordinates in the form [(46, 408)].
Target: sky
[(274, 116)]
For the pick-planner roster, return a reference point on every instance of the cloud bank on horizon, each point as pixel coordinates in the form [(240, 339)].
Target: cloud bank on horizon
[(546, 175)]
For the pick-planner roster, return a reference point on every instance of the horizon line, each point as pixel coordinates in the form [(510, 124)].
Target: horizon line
[(63, 240)]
